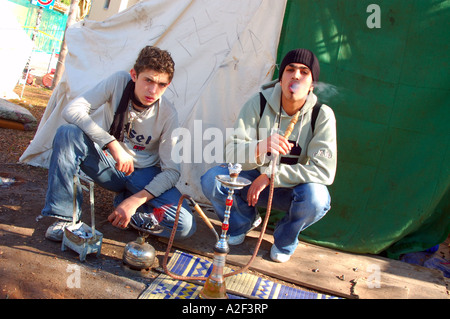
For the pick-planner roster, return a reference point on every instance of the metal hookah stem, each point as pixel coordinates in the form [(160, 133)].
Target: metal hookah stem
[(222, 244)]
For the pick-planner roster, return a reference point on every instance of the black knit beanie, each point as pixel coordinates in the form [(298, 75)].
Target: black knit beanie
[(302, 56)]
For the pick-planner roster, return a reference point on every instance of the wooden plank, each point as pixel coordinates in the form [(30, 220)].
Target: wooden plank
[(326, 270)]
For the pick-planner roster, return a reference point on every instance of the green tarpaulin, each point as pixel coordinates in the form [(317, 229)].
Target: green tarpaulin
[(389, 88)]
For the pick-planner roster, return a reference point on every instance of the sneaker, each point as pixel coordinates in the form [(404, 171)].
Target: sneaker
[(278, 256), (239, 239), (56, 231), (236, 240), (146, 223)]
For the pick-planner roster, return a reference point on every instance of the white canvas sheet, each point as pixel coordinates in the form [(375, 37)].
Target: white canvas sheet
[(223, 52), (15, 49)]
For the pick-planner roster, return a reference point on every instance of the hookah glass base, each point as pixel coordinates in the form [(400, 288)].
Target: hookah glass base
[(214, 287)]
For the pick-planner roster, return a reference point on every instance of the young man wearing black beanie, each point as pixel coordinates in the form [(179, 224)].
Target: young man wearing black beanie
[(305, 162)]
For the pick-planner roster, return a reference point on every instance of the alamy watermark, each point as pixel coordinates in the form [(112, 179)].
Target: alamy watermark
[(374, 279), (374, 19), (74, 279), (207, 146)]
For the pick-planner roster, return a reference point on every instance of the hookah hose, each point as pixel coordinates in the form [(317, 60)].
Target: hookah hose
[(173, 233), (197, 208)]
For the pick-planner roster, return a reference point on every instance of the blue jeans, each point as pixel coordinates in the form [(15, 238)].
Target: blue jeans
[(73, 150), (304, 205)]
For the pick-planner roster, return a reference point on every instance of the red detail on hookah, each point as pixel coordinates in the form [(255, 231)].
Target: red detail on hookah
[(225, 226), (229, 202)]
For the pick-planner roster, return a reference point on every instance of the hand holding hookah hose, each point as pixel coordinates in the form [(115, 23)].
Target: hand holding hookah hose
[(197, 208), (287, 133)]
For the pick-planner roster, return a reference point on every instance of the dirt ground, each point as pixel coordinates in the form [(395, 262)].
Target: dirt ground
[(32, 267)]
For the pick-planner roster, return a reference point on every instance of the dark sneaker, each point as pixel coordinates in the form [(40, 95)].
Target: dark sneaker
[(146, 223)]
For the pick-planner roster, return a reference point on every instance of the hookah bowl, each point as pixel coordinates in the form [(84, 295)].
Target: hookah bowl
[(215, 287)]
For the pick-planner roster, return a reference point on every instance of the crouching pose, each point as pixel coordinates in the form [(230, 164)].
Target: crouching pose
[(124, 147), (306, 160)]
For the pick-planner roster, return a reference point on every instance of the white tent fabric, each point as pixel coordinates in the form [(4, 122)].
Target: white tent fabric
[(15, 50), (223, 52)]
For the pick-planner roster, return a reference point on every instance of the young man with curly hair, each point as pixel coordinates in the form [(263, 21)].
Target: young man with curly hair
[(119, 135)]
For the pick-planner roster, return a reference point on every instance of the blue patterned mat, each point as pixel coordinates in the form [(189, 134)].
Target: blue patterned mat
[(243, 284)]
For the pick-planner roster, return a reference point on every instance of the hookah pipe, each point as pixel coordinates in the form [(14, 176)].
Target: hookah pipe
[(220, 249), (172, 235)]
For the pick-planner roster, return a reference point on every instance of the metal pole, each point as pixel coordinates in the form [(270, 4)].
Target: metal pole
[(35, 32), (71, 19)]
